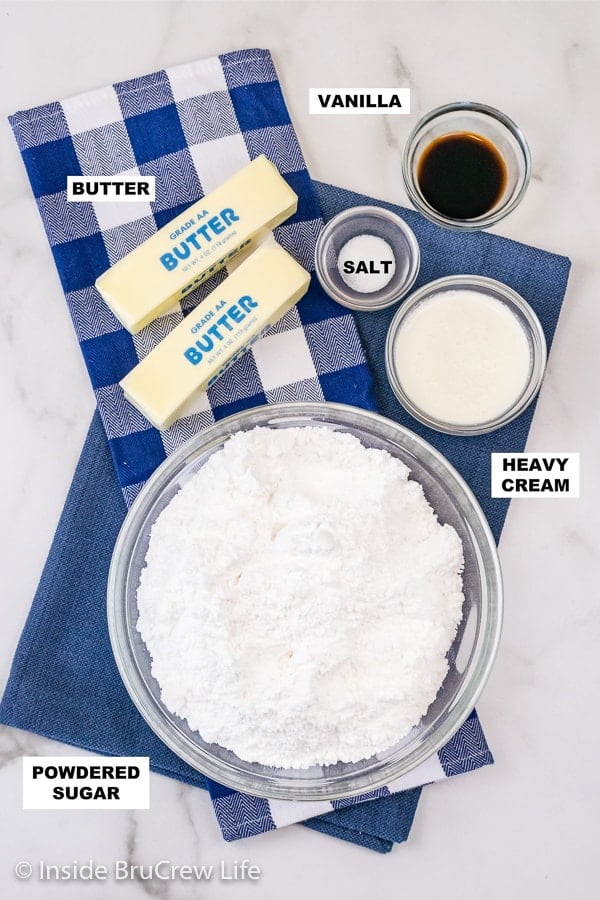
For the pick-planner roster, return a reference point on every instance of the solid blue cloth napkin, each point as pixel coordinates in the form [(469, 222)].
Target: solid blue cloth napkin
[(64, 683)]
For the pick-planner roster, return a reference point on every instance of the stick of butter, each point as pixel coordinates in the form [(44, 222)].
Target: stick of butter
[(218, 332), (196, 244)]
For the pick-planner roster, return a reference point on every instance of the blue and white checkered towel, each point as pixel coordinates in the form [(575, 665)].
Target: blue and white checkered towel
[(192, 126)]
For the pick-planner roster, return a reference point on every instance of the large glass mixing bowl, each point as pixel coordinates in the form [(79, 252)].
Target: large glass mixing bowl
[(470, 658)]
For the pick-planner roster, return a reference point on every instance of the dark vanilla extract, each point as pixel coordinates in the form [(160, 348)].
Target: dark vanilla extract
[(461, 175)]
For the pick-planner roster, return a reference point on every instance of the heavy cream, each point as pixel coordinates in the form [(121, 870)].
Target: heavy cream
[(462, 357)]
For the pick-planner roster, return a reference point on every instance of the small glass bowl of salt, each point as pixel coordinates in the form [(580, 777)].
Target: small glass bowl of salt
[(367, 258)]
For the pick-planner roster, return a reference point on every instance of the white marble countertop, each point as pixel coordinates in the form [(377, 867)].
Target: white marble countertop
[(527, 826)]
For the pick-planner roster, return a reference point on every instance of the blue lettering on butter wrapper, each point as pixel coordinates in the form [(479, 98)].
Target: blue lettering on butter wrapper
[(210, 337), (198, 238)]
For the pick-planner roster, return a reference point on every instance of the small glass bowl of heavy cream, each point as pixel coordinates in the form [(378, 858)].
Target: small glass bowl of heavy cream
[(465, 354)]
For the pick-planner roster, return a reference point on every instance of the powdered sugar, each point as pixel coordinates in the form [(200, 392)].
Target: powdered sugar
[(299, 598)]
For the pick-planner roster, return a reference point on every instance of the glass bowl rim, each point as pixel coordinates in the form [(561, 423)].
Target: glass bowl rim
[(355, 299), (289, 788), (494, 216), (486, 285)]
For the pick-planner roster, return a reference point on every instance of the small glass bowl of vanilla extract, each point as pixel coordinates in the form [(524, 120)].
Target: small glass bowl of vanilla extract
[(466, 166)]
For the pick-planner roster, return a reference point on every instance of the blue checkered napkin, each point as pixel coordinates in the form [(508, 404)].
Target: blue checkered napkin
[(191, 126)]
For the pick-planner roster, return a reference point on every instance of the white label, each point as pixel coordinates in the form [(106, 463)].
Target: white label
[(535, 475), (116, 189), (86, 782), (361, 101)]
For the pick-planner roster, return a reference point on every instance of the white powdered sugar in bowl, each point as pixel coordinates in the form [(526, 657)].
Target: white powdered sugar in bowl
[(299, 598)]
